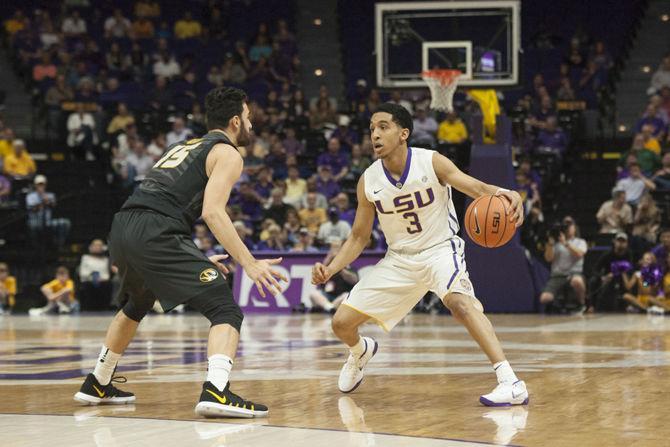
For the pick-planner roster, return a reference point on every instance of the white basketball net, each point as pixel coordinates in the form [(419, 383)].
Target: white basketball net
[(442, 85)]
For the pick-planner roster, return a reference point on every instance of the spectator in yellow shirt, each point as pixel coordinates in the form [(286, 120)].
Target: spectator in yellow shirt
[(650, 141), (295, 186), (121, 120), (59, 293), (187, 28), (452, 130), (19, 164), (7, 289), (6, 143), (311, 216)]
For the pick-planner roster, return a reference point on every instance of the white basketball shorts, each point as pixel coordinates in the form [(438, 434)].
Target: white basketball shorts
[(392, 288)]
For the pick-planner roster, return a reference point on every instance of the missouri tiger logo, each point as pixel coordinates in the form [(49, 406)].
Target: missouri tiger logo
[(208, 275)]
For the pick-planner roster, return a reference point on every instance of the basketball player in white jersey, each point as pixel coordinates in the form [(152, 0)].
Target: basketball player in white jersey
[(410, 191)]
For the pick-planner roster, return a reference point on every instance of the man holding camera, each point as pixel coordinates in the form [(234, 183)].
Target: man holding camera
[(565, 251)]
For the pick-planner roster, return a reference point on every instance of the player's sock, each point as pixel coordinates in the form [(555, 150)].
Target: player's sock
[(504, 372), (106, 365), (218, 370), (328, 307), (358, 349)]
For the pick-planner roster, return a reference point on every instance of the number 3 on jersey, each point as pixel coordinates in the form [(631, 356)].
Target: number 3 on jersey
[(177, 154), (413, 220)]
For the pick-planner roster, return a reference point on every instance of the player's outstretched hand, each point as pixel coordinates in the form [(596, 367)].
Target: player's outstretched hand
[(516, 206), (264, 276), (220, 266), (320, 273)]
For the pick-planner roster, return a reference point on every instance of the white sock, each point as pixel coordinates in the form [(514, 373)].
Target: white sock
[(218, 370), (104, 369), (504, 372), (359, 348), (328, 306)]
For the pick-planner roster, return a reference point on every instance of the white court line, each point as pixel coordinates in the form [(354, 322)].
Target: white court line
[(85, 430)]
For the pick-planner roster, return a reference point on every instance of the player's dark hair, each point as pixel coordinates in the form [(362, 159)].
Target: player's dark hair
[(400, 115), (221, 104)]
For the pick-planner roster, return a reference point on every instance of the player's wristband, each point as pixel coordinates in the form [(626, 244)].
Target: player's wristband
[(499, 190)]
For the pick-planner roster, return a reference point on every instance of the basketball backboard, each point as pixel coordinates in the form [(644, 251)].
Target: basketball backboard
[(480, 38)]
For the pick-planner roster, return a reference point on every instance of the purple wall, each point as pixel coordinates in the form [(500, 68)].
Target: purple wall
[(501, 276), (297, 267)]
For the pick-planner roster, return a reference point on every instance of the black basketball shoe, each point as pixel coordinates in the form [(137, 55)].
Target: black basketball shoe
[(92, 393), (215, 403)]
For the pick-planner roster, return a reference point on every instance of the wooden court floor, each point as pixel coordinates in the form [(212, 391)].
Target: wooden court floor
[(600, 380)]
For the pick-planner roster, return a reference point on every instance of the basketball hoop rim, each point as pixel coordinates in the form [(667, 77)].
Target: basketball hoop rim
[(445, 76)]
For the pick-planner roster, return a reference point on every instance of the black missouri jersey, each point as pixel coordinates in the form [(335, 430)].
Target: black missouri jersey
[(175, 186)]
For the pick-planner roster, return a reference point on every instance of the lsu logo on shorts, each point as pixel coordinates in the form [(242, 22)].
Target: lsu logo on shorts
[(208, 275)]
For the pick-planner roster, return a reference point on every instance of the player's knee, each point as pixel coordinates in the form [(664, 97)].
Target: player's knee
[(339, 325), (546, 298), (459, 305), (226, 313), (134, 311), (577, 282)]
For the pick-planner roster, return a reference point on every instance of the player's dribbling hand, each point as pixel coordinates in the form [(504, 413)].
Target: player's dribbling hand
[(220, 266), (516, 206), (264, 276), (320, 273)]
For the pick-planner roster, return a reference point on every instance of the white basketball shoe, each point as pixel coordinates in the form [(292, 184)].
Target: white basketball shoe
[(506, 394), (351, 374)]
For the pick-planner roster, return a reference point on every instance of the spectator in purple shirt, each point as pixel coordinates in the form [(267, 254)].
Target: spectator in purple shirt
[(334, 158), (650, 117), (5, 188), (347, 213), (661, 250), (264, 184), (249, 202), (526, 167), (291, 144), (347, 136), (552, 139), (325, 183)]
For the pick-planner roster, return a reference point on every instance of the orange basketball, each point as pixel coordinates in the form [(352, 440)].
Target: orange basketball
[(487, 222)]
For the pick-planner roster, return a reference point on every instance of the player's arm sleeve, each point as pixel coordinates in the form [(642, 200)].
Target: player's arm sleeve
[(448, 173)]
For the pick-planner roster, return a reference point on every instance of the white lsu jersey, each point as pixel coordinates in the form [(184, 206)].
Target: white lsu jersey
[(415, 212)]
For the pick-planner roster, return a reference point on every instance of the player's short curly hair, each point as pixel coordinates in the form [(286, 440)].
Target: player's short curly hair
[(222, 104), (400, 115)]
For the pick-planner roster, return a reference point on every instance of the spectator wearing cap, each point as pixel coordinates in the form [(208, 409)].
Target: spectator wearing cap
[(305, 242), (615, 215), (40, 205), (635, 184), (334, 229), (425, 128), (312, 216), (277, 209), (347, 213), (346, 135), (326, 184), (607, 283), (335, 159), (19, 164)]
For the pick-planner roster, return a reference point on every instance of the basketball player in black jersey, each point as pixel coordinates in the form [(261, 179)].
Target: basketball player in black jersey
[(151, 246)]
